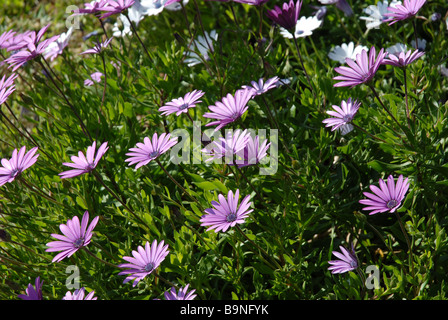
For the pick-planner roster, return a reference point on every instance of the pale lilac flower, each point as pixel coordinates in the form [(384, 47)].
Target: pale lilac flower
[(287, 15), (408, 9), (396, 49), (182, 294), (76, 236), (402, 59), (34, 48), (79, 294), (341, 5), (230, 109), (254, 152), (252, 2), (56, 47), (386, 198), (16, 42), (205, 46), (181, 105), (144, 261), (92, 7), (150, 149), (33, 293), (99, 47), (348, 261), (5, 39), (84, 164), (154, 7), (7, 87), (340, 53), (343, 115), (260, 86), (19, 161), (227, 147), (226, 213), (377, 13), (96, 76), (361, 71), (115, 6), (421, 44)]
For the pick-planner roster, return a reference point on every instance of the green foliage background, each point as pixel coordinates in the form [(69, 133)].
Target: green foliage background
[(305, 210)]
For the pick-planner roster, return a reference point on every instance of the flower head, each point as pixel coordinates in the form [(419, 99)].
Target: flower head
[(254, 152), (56, 47), (234, 142), (92, 7), (7, 87), (260, 86), (150, 149), (183, 294), (230, 109), (304, 27), (79, 294), (226, 213), (402, 59), (361, 71), (144, 261), (341, 5), (386, 198), (408, 9), (19, 161), (98, 47), (33, 293), (96, 76), (75, 237), (377, 13), (343, 115), (287, 15), (205, 47), (348, 261), (181, 105), (5, 38), (84, 164), (340, 53), (115, 6)]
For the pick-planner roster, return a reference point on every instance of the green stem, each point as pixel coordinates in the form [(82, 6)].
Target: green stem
[(99, 259), (408, 242), (382, 104), (301, 62)]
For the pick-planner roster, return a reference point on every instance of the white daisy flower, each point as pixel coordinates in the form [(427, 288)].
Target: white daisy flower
[(397, 48), (201, 45), (339, 53), (304, 27), (55, 48), (377, 13)]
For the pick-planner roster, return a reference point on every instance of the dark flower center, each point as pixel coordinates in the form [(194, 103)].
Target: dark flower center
[(78, 243), (154, 154), (392, 203), (184, 106), (347, 118), (149, 267), (231, 217)]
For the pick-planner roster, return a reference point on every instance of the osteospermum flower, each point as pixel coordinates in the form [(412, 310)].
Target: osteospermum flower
[(253, 152), (404, 11), (115, 6), (402, 59), (340, 53), (96, 76), (144, 261), (98, 47), (56, 47), (304, 27), (205, 47), (348, 261), (226, 213), (229, 109), (92, 7), (7, 87), (287, 15), (252, 2), (227, 147), (19, 161), (343, 115), (76, 236), (33, 293), (15, 41), (341, 5), (377, 13), (261, 86), (361, 71), (150, 149), (79, 294), (5, 37), (181, 105), (386, 198), (183, 294), (83, 164)]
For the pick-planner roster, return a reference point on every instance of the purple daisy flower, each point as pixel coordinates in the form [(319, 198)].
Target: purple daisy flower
[(386, 198), (79, 294), (402, 59), (7, 87), (33, 293), (75, 237), (361, 71), (84, 164), (144, 261), (115, 6), (226, 213), (341, 5), (261, 87), (230, 109), (5, 38), (92, 7), (234, 142), (181, 295), (254, 152), (181, 105), (96, 76), (343, 115), (150, 149), (286, 16), (348, 261), (98, 47), (408, 9), (19, 161), (16, 41)]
